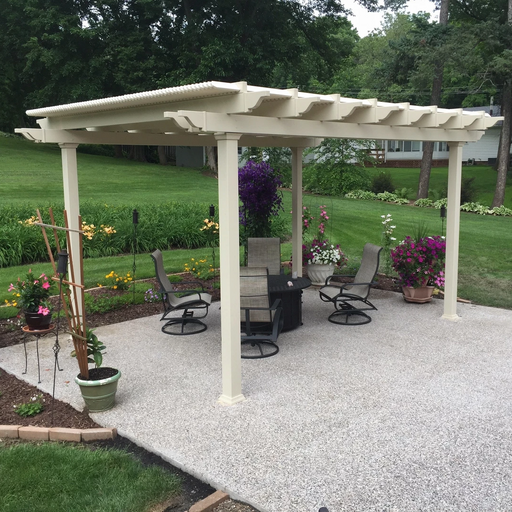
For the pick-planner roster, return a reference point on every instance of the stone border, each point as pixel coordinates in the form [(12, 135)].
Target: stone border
[(210, 502), (56, 434)]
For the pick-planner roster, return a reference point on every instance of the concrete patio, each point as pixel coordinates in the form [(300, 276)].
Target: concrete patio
[(410, 412)]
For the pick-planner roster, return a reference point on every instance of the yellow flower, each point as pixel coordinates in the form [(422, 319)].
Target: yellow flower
[(115, 287)]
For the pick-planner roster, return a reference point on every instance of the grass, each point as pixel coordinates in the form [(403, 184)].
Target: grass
[(52, 476), (485, 263), (485, 179), (32, 173)]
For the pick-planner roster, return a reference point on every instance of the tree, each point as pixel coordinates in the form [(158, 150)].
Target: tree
[(503, 163), (435, 99), (491, 23)]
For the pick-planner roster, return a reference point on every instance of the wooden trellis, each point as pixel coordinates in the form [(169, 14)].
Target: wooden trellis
[(73, 303)]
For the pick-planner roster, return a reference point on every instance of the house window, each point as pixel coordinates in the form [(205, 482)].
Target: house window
[(404, 145), (441, 146)]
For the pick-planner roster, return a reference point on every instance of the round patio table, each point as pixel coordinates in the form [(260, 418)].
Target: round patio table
[(291, 297)]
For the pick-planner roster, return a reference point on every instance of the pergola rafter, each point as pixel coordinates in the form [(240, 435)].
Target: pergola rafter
[(229, 115)]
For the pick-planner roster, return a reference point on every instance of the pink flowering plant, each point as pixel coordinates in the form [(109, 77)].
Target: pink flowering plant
[(320, 250), (31, 294), (421, 262)]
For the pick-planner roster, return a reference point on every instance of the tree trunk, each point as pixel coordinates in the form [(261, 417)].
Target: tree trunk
[(435, 99), (211, 155), (162, 157), (118, 151), (137, 153), (504, 147)]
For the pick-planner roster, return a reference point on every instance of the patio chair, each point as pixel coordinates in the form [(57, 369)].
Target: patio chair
[(261, 322), (264, 252), (351, 299), (188, 301)]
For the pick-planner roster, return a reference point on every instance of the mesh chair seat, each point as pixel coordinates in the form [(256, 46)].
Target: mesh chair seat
[(189, 301), (351, 299), (261, 322), (264, 252)]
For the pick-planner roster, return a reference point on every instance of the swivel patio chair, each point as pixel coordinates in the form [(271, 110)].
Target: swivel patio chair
[(261, 322), (188, 301), (351, 299), (264, 252)]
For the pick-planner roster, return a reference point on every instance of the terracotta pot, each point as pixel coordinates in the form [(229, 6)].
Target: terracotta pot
[(419, 295), (318, 273), (37, 321)]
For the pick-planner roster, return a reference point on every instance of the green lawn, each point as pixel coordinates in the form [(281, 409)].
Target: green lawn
[(51, 476), (31, 173), (485, 180)]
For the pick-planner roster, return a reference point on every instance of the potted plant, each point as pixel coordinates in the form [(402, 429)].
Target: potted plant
[(420, 266), (32, 295), (100, 387), (320, 255)]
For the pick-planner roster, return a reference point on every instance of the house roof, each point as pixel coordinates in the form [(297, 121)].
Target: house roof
[(191, 114)]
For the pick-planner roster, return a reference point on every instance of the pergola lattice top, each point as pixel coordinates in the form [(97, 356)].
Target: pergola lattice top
[(191, 114)]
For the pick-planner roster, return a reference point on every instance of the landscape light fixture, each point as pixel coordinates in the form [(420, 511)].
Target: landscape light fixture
[(135, 221), (212, 211), (62, 264), (443, 216)]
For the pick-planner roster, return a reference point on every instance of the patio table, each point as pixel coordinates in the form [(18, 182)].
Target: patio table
[(291, 297)]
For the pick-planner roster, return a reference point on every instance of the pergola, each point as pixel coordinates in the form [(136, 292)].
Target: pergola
[(227, 115)]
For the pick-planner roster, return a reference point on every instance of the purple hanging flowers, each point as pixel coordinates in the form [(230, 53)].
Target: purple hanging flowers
[(258, 187)]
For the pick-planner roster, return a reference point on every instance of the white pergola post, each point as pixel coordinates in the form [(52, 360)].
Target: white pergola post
[(452, 230), (229, 268), (297, 210), (72, 206)]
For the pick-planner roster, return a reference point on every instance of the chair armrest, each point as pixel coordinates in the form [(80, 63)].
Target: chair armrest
[(328, 280)]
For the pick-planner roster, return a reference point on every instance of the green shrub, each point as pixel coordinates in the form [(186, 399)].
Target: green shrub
[(441, 202), (360, 194), (109, 230), (404, 192), (424, 203), (468, 191), (382, 182), (391, 198)]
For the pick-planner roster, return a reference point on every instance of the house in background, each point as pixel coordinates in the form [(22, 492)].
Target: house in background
[(401, 153), (394, 153)]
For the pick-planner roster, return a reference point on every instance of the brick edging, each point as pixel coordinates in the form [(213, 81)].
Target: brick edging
[(56, 434), (210, 502)]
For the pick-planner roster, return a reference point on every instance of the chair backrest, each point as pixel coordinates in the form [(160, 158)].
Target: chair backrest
[(368, 270), (254, 293), (163, 280), (264, 252)]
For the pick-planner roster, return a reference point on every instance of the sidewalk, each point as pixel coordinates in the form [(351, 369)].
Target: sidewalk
[(410, 412)]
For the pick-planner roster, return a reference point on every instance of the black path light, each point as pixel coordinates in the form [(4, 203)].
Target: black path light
[(135, 221), (212, 218), (443, 217)]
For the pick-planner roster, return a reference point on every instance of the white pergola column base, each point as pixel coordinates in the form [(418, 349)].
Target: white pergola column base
[(297, 210), (229, 269), (452, 231)]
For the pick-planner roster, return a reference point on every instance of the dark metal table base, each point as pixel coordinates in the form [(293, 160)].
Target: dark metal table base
[(40, 334), (291, 298)]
